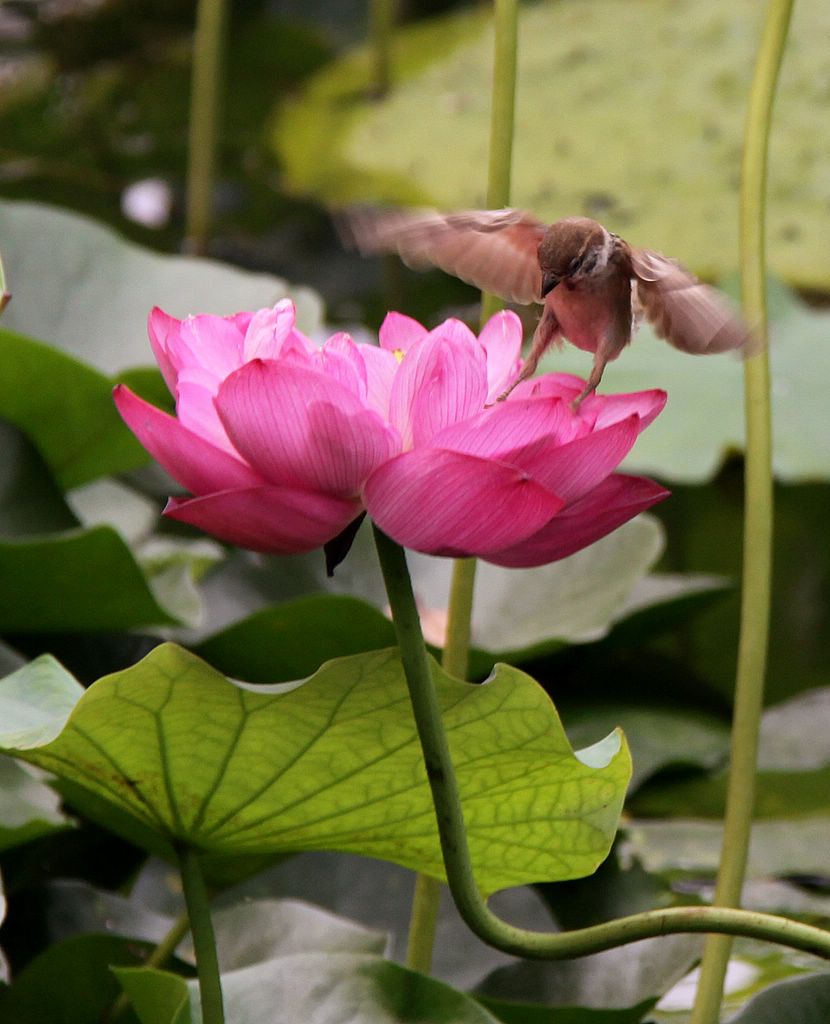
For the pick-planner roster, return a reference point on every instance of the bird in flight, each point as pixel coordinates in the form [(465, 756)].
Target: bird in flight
[(594, 287)]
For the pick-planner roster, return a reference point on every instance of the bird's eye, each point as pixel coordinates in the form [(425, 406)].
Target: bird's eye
[(573, 266)]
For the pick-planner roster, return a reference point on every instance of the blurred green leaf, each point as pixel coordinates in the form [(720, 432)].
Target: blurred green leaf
[(658, 737), (76, 580), (655, 154), (70, 982), (788, 846), (66, 409), (793, 768), (334, 763), (28, 808), (157, 997), (518, 614), (101, 289), (618, 986), (292, 640), (804, 1000), (30, 500), (380, 992)]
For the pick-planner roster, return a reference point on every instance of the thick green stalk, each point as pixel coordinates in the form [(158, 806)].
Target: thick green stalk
[(758, 511), (450, 820), (201, 928), (457, 646), (204, 117)]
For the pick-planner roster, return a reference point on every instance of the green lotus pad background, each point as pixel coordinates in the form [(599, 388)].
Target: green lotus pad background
[(630, 112), (333, 763)]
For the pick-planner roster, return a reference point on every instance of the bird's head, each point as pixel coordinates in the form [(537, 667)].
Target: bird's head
[(572, 249)]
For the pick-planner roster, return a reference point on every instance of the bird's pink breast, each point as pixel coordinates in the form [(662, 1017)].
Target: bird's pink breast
[(583, 315)]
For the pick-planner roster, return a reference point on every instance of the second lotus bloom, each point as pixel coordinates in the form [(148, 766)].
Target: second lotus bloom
[(282, 445)]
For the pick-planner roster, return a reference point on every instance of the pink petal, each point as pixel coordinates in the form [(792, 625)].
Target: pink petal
[(194, 462), (340, 359), (381, 367), (551, 385), (501, 337), (398, 332), (195, 408), (160, 327), (442, 380), (302, 428), (613, 502), (211, 343), (607, 409), (448, 503), (573, 469), (277, 520), (599, 409), (510, 426), (271, 332)]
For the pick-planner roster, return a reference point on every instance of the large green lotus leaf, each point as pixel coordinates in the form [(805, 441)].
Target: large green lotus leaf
[(76, 580), (318, 988), (651, 146), (28, 807), (334, 763), (81, 287)]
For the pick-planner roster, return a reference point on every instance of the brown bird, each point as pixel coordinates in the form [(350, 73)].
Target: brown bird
[(594, 286)]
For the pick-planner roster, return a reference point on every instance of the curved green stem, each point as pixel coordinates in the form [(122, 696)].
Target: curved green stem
[(204, 118), (446, 799), (758, 511), (201, 928)]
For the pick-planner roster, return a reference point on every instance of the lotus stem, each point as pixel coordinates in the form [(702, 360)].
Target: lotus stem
[(204, 118), (758, 510), (201, 928)]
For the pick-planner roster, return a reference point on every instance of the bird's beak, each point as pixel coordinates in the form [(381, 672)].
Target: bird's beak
[(549, 282)]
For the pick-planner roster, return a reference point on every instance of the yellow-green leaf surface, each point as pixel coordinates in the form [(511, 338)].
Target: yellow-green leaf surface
[(334, 763), (630, 112)]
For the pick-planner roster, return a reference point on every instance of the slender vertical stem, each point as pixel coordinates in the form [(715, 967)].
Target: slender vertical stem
[(4, 295), (201, 928), (204, 118), (501, 119), (758, 511), (422, 923), (157, 958), (457, 647), (381, 24)]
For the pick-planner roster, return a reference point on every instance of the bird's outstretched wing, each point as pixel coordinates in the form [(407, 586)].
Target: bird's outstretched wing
[(688, 314), (495, 250)]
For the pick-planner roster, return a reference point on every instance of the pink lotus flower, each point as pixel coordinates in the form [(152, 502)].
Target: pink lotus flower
[(283, 445)]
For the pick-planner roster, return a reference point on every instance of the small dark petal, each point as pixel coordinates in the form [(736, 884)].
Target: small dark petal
[(338, 547)]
